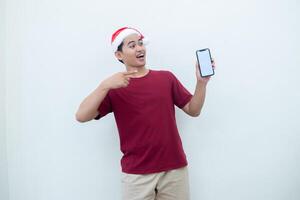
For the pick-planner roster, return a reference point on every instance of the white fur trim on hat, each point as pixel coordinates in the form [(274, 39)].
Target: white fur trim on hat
[(118, 39)]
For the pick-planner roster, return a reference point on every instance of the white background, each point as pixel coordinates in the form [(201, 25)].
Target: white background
[(246, 143)]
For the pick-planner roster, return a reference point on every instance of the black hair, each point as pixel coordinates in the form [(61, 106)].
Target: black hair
[(120, 49)]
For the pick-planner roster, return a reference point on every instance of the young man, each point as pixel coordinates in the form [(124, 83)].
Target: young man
[(154, 164)]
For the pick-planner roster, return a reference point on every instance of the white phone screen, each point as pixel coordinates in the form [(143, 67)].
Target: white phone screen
[(204, 60)]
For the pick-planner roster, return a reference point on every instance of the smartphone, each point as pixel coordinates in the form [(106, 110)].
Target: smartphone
[(205, 62)]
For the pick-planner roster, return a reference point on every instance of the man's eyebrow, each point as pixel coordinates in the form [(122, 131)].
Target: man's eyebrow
[(129, 42)]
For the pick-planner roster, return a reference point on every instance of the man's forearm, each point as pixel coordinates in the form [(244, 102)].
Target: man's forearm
[(88, 109), (198, 99)]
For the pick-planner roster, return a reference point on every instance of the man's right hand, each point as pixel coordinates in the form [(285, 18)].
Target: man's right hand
[(118, 80), (88, 109)]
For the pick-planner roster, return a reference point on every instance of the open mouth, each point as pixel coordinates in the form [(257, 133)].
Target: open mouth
[(140, 56)]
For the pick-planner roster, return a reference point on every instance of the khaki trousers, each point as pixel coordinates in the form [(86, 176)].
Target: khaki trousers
[(167, 185)]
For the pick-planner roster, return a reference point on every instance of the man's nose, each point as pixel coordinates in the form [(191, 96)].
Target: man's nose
[(139, 47)]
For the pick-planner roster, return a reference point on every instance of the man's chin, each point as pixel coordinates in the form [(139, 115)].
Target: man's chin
[(140, 64)]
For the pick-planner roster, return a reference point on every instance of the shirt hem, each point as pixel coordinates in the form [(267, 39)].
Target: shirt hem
[(186, 100), (171, 167)]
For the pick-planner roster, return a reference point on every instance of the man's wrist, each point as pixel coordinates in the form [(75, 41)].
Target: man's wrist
[(104, 86), (201, 84)]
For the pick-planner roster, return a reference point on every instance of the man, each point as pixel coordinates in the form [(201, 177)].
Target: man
[(154, 164)]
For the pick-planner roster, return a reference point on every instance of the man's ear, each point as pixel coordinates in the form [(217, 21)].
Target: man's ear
[(118, 55)]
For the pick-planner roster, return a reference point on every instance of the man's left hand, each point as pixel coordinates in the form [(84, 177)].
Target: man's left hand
[(200, 79)]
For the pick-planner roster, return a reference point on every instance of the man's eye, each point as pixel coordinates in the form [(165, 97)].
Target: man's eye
[(132, 46), (141, 42)]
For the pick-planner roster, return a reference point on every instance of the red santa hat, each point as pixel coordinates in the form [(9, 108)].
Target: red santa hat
[(119, 35)]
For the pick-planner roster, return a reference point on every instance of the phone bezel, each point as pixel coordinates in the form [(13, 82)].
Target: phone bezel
[(205, 49)]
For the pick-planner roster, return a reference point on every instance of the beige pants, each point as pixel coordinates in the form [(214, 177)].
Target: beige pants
[(168, 185)]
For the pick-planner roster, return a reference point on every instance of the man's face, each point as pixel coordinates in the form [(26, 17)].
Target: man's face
[(133, 51)]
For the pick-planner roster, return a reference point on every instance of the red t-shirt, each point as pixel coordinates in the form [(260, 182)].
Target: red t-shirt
[(145, 116)]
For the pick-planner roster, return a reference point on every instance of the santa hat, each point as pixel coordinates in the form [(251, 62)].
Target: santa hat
[(119, 35)]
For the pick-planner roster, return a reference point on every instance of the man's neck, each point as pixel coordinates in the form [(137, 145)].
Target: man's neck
[(141, 71)]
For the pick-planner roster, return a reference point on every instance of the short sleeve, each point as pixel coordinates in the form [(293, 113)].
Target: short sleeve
[(105, 107), (181, 96)]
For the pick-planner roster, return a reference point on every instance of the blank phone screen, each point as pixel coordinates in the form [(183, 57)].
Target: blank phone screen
[(204, 61)]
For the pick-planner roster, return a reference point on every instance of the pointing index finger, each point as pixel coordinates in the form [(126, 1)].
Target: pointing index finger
[(130, 72)]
